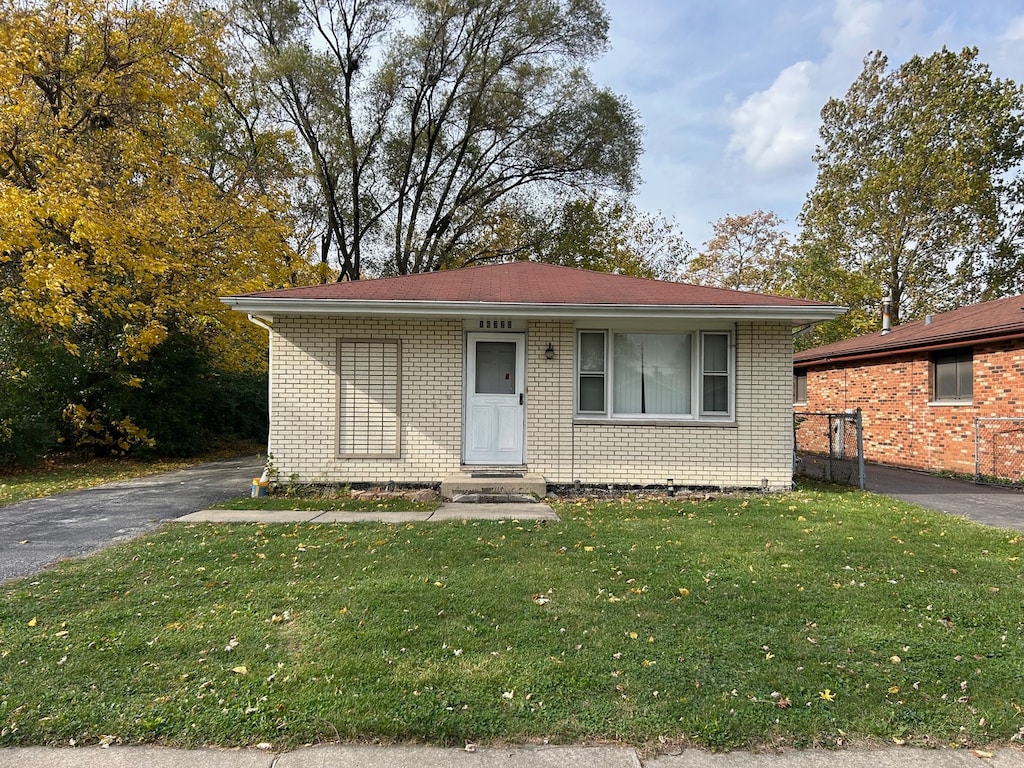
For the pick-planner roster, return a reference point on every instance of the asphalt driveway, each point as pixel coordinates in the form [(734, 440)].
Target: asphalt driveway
[(36, 534), (1001, 507)]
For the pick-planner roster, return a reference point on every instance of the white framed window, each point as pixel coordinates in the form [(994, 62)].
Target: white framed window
[(654, 375), (593, 372), (716, 374), (369, 398)]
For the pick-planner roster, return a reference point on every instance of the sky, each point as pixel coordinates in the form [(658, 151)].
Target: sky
[(729, 92)]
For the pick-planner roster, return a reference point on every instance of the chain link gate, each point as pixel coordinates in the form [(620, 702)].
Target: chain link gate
[(999, 451), (829, 446)]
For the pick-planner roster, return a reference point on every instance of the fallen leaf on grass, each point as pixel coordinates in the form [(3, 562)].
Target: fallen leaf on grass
[(240, 670)]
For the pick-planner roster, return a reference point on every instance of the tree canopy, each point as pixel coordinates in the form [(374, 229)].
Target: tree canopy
[(426, 124), (915, 189), (123, 215), (748, 252)]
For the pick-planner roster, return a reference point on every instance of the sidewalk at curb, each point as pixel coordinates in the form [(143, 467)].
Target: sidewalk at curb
[(322, 757), (444, 513), (496, 757)]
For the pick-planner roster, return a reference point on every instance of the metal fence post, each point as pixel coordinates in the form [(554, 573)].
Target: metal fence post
[(860, 449), (977, 450)]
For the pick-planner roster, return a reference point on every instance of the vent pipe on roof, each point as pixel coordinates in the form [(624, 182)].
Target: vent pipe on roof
[(927, 319), (886, 316)]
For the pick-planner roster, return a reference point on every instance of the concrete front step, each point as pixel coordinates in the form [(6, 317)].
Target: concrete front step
[(485, 485)]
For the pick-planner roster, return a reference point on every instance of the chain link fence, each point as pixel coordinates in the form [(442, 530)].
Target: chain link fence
[(999, 451), (829, 446)]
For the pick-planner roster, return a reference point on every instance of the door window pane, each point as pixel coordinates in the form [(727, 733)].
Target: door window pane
[(495, 367)]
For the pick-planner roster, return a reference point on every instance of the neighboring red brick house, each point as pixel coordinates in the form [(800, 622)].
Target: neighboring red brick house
[(922, 385)]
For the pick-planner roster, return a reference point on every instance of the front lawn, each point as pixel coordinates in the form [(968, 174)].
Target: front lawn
[(819, 617)]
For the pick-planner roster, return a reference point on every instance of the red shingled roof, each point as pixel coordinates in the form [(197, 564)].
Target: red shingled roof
[(967, 325), (528, 282)]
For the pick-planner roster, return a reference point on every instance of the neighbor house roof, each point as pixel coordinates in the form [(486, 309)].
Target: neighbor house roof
[(992, 320), (526, 288)]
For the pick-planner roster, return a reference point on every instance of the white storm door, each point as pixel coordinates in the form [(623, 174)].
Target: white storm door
[(495, 381)]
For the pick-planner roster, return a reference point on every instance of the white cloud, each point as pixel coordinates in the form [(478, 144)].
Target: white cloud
[(1014, 31), (774, 130), (855, 28)]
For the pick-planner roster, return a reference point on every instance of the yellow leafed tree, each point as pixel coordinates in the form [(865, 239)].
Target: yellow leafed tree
[(118, 221), (106, 211)]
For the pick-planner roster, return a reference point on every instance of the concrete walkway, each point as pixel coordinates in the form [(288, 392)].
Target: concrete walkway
[(496, 757), (446, 512)]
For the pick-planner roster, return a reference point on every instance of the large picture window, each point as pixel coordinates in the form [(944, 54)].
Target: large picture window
[(654, 375), (953, 376)]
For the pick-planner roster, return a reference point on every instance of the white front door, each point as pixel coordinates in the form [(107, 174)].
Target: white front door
[(495, 383)]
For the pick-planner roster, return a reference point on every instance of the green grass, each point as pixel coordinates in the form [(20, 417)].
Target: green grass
[(632, 621), (72, 474), (327, 500)]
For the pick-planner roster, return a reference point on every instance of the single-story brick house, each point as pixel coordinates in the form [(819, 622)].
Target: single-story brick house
[(573, 375), (922, 385)]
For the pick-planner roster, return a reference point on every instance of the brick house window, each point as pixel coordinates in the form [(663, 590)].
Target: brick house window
[(654, 375), (953, 376), (800, 387), (369, 398)]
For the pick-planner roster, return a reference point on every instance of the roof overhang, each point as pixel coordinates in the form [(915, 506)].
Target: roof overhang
[(268, 308), (918, 348)]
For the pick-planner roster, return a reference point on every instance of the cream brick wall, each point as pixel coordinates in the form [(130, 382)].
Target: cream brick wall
[(756, 448), (304, 404)]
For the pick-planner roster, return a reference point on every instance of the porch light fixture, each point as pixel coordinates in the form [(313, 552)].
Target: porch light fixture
[(549, 353)]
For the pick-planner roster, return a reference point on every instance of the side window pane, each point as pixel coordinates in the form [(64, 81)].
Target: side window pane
[(965, 376), (716, 353), (945, 379), (716, 394), (592, 394), (592, 352)]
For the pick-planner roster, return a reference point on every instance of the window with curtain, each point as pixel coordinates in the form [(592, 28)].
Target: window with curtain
[(653, 375)]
